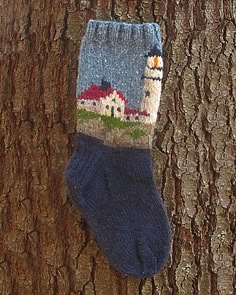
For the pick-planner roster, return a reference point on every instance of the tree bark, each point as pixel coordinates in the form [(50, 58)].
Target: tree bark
[(45, 246)]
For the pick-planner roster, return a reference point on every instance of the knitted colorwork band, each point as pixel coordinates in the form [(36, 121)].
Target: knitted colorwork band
[(119, 82)]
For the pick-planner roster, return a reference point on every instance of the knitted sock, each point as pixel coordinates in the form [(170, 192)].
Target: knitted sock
[(110, 174)]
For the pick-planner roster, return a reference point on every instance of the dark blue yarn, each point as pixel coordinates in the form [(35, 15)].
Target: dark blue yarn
[(116, 192)]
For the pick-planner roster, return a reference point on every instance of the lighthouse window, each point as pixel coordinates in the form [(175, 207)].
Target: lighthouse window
[(107, 107), (136, 118), (82, 102), (127, 118), (94, 103), (118, 109), (147, 93)]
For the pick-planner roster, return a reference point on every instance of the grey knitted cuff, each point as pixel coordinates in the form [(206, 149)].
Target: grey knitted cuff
[(111, 31)]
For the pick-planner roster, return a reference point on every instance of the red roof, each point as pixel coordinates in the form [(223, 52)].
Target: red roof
[(95, 92), (130, 111), (134, 112), (144, 113)]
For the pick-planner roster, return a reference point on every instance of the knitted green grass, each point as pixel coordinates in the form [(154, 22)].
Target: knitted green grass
[(108, 122), (137, 133), (86, 115), (111, 123)]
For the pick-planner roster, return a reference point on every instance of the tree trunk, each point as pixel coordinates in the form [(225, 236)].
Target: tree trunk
[(46, 247)]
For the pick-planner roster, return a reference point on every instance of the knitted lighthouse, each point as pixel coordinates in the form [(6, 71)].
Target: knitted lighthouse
[(152, 83)]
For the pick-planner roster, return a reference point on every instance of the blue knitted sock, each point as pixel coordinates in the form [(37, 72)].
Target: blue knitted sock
[(110, 173), (115, 189)]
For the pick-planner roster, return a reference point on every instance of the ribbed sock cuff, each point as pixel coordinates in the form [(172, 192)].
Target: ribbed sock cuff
[(117, 31), (88, 151)]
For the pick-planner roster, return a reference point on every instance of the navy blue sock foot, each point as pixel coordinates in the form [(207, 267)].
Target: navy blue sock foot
[(140, 207), (116, 192)]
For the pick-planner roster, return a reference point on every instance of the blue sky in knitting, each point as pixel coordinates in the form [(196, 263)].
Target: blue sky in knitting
[(121, 62)]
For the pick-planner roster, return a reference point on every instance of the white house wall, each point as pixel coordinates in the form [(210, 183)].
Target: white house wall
[(141, 118), (119, 103), (89, 105), (144, 119)]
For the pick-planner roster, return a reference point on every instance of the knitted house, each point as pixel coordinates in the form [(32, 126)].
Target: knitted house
[(103, 100), (108, 101), (135, 115)]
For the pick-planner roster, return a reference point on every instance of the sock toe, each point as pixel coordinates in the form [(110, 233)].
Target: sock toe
[(146, 257)]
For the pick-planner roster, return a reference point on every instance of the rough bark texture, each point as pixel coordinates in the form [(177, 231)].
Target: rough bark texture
[(45, 246)]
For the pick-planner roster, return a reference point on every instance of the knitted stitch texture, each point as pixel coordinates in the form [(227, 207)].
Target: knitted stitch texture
[(119, 82), (109, 175), (116, 191)]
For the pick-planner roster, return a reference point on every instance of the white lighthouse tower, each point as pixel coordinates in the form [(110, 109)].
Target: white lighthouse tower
[(152, 83)]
